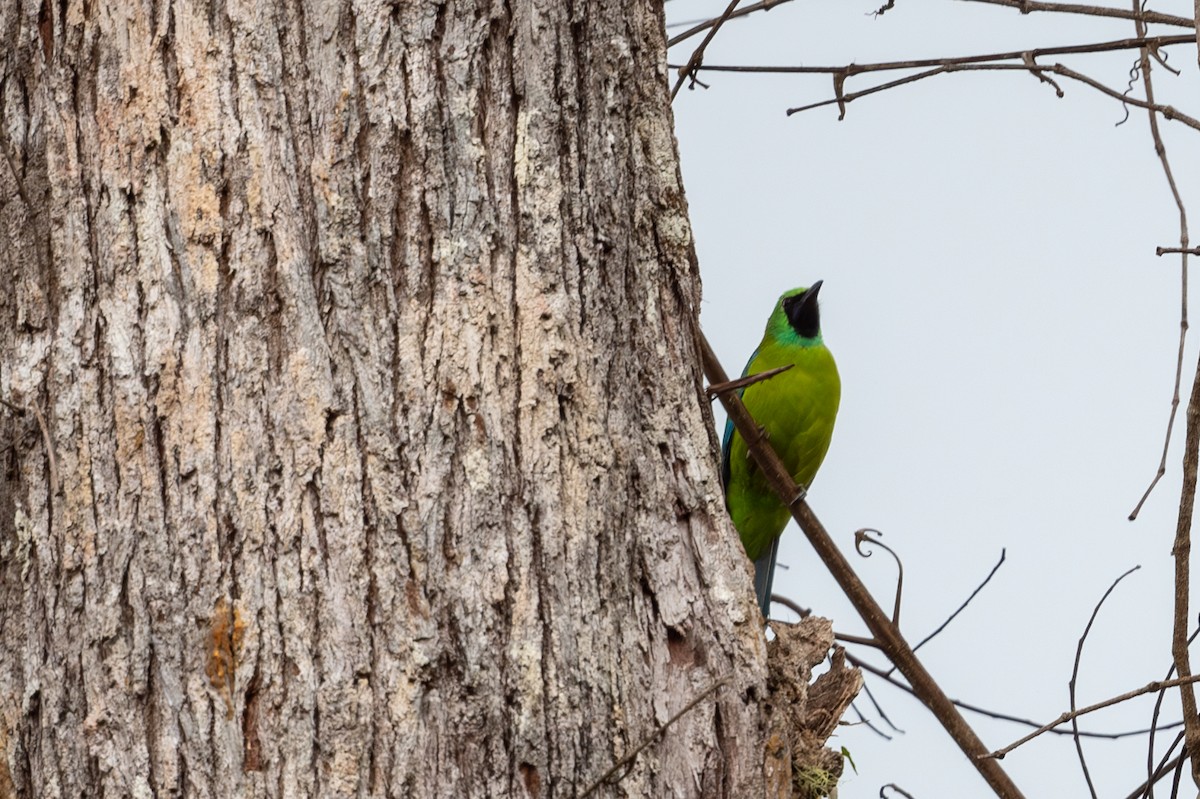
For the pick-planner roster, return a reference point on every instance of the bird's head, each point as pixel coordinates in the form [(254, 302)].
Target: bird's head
[(798, 310)]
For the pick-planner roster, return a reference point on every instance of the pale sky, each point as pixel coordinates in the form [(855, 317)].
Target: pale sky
[(1007, 341)]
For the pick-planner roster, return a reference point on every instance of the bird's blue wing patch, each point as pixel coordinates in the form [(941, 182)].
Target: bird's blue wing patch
[(727, 439), (726, 444)]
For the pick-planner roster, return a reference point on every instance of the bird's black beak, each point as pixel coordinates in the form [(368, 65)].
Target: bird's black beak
[(809, 298), (803, 313)]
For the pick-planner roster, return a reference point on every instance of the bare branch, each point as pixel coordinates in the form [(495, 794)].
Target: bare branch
[(866, 723), (1184, 250), (880, 711), (963, 606), (698, 54), (1153, 17), (742, 382), (1167, 111), (1157, 685), (764, 5), (1075, 676), (803, 613), (891, 640), (1154, 727), (1182, 547), (862, 719), (995, 714), (1165, 767), (1013, 55)]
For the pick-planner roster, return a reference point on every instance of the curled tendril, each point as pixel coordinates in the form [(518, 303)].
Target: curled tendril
[(1135, 72), (863, 536)]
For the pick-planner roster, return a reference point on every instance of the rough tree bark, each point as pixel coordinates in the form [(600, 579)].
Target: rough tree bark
[(354, 442)]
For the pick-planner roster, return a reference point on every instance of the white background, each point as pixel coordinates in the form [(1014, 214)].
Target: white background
[(1006, 338)]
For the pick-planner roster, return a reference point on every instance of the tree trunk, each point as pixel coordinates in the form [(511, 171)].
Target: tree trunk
[(354, 442)]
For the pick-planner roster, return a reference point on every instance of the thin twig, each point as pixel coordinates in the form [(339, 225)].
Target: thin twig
[(1161, 149), (1176, 779), (851, 70), (879, 709), (1154, 17), (698, 54), (1075, 677), (654, 736), (764, 5), (860, 640), (1170, 250), (1157, 685), (1164, 768), (1170, 112), (1158, 700), (1144, 789), (791, 605), (963, 606), (995, 714), (867, 722), (735, 385)]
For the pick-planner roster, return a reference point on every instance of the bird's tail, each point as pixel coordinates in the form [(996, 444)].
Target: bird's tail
[(764, 576)]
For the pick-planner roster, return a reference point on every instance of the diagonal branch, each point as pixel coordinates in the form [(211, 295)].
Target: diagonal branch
[(1148, 688), (1051, 728), (763, 5), (637, 750), (743, 382), (1163, 770), (886, 633), (963, 606), (697, 58)]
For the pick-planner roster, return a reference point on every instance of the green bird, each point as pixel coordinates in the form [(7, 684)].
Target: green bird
[(796, 409)]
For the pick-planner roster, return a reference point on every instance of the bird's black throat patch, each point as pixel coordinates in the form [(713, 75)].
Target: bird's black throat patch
[(803, 313)]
